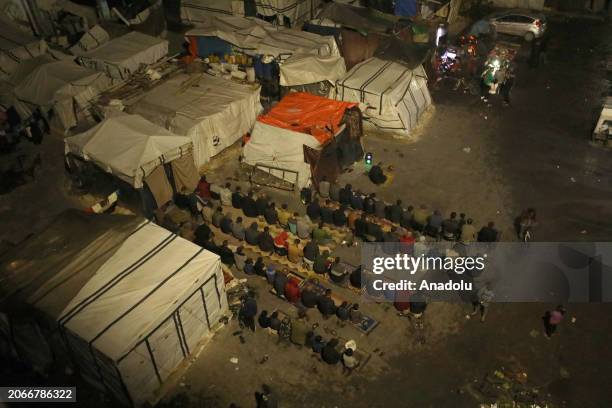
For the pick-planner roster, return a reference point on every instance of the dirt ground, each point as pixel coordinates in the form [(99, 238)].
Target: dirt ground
[(533, 153)]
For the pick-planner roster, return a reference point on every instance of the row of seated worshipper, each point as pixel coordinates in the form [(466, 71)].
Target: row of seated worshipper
[(281, 244), (300, 333), (260, 205), (421, 219), (310, 255)]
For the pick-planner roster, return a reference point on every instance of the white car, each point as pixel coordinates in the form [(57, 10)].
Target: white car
[(525, 24)]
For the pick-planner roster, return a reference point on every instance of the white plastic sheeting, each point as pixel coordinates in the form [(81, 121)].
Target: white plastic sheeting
[(297, 11), (391, 96), (123, 56), (128, 146), (16, 46), (61, 85), (310, 69), (282, 148), (122, 298), (213, 112), (254, 36), (93, 38)]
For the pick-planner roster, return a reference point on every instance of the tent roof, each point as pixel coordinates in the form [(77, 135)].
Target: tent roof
[(302, 69), (124, 48), (128, 145), (377, 76), (213, 112), (108, 279), (263, 38), (306, 113), (187, 105), (11, 36), (16, 46), (52, 266), (43, 80), (124, 55)]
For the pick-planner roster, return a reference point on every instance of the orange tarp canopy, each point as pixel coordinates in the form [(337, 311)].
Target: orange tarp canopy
[(306, 113)]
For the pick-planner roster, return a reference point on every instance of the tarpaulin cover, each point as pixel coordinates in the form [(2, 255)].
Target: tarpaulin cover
[(285, 138), (128, 146), (122, 298), (61, 85), (123, 56), (213, 112), (390, 95), (281, 148), (254, 36), (297, 11), (405, 8), (93, 38), (309, 69), (16, 46), (306, 113)]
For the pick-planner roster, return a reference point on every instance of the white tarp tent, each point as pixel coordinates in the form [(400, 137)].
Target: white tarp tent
[(281, 148), (16, 46), (391, 96), (310, 69), (128, 146), (213, 112), (254, 36), (288, 135), (122, 56), (93, 38), (118, 296), (297, 11), (60, 85)]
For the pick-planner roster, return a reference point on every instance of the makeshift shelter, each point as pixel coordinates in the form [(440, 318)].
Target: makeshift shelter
[(305, 137), (213, 112), (391, 96), (225, 34), (16, 46), (58, 85), (295, 11), (310, 69), (122, 56), (120, 298), (136, 151), (93, 38)]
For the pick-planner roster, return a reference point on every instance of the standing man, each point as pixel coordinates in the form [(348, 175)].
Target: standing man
[(324, 186), (552, 319), (247, 313), (481, 302), (237, 198), (507, 88)]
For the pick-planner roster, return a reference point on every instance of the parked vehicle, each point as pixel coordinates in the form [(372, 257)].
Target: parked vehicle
[(525, 24)]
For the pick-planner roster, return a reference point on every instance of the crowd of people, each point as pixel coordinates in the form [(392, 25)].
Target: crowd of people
[(300, 333)]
